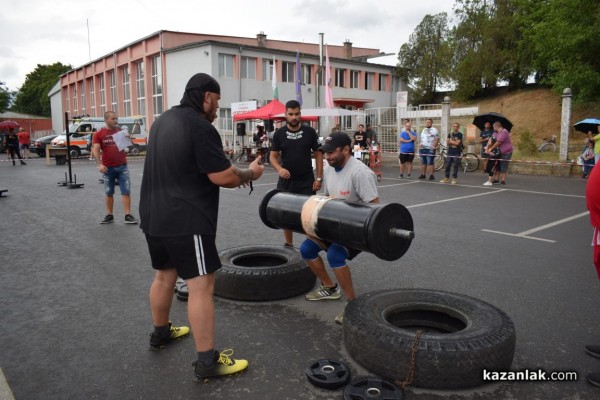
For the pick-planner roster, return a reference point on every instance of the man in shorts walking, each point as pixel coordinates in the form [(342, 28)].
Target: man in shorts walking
[(113, 165), (179, 202), (291, 151)]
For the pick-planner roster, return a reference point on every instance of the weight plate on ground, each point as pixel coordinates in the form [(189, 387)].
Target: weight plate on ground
[(328, 374), (372, 388)]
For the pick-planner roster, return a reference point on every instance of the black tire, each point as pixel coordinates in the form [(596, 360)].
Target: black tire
[(261, 273), (462, 336), (74, 151), (439, 161), (469, 162), (41, 152), (547, 147), (135, 150)]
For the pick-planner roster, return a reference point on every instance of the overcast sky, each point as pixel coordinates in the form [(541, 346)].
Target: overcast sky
[(44, 32)]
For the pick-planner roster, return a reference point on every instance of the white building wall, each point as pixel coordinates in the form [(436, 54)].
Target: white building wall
[(56, 109)]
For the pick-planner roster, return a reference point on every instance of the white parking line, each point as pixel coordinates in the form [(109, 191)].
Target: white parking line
[(456, 198), (525, 234)]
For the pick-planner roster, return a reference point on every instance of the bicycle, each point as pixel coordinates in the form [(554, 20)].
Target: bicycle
[(469, 162), (548, 145)]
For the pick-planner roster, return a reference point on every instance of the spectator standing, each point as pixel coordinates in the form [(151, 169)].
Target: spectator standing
[(291, 150), (406, 150), (113, 165), (184, 169), (24, 142), (595, 137), (12, 146), (345, 178), (454, 154), (371, 135), (484, 138), (588, 158), (360, 138), (504, 145), (429, 141)]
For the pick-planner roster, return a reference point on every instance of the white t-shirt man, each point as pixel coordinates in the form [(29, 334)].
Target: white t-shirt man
[(428, 137), (354, 182)]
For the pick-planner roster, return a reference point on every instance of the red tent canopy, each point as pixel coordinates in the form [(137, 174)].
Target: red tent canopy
[(268, 111)]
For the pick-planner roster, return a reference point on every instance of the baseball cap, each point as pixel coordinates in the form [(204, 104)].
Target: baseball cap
[(335, 140)]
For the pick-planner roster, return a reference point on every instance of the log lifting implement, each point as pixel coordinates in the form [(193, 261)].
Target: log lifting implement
[(385, 230)]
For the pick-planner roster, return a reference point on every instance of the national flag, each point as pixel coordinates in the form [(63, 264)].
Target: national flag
[(298, 81), (328, 93), (274, 82)]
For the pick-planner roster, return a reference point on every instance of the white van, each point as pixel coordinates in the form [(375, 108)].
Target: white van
[(81, 130)]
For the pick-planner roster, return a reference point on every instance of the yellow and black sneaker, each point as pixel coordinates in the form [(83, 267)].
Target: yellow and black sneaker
[(222, 366), (175, 333)]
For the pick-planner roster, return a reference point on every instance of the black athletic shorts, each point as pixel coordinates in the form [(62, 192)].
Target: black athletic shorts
[(297, 186), (406, 157), (191, 256)]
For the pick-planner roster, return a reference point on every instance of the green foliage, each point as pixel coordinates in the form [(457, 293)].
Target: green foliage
[(425, 56), (33, 98), (526, 144), (6, 97), (507, 42)]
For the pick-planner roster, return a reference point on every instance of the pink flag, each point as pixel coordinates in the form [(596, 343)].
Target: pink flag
[(328, 93)]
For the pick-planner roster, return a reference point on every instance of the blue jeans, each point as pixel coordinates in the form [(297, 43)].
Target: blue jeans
[(452, 159), (427, 156), (120, 174)]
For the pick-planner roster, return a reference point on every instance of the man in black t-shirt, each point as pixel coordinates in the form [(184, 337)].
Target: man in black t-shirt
[(291, 150), (179, 200)]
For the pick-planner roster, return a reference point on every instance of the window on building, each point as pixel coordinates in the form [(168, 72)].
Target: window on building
[(141, 91), (67, 104), (126, 91), (339, 77), (113, 91), (287, 71), (91, 86), (225, 66), (157, 86), (82, 94), (74, 93), (102, 91), (369, 77), (225, 121), (248, 68), (306, 71), (354, 79), (382, 82), (267, 70)]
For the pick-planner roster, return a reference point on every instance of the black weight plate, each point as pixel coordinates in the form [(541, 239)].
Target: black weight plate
[(371, 388), (378, 227), (328, 374)]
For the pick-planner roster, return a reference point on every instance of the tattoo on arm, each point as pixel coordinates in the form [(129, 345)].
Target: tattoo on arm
[(245, 175)]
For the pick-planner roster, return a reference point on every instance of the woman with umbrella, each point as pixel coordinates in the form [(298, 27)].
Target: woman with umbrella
[(12, 146), (596, 140)]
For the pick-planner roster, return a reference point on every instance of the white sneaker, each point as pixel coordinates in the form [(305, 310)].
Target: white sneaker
[(488, 183)]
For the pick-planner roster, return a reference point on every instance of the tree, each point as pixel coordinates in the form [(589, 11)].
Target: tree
[(425, 57), (488, 47), (566, 41), (33, 98), (6, 97)]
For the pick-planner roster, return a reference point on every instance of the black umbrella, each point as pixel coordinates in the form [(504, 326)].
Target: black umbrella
[(588, 124), (491, 117)]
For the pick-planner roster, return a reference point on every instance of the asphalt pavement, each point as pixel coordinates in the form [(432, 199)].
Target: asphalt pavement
[(74, 293)]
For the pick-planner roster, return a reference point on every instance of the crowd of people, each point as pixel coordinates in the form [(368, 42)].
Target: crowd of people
[(496, 150), (17, 145)]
